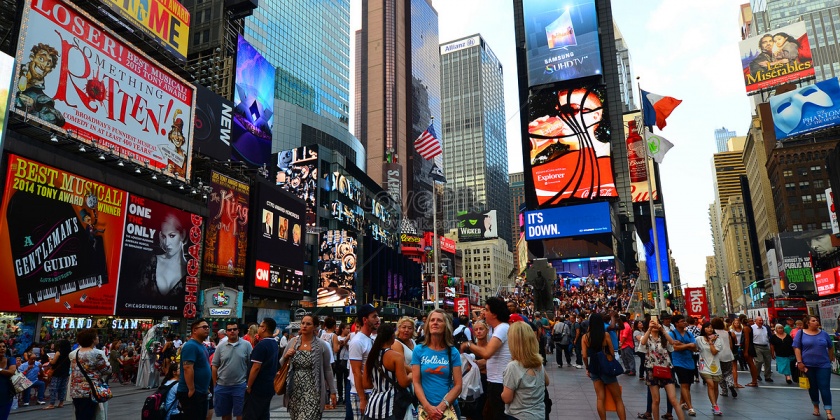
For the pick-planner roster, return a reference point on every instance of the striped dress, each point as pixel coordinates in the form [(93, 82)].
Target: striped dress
[(381, 401)]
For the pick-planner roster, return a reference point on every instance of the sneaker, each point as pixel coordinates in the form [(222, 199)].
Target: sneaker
[(769, 379), (25, 404), (733, 391), (716, 411), (559, 366), (691, 412), (579, 366), (41, 402)]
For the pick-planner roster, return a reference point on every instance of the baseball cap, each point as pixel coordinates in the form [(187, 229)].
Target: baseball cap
[(366, 310)]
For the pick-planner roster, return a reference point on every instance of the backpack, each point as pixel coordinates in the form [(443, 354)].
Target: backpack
[(461, 337), (154, 407)]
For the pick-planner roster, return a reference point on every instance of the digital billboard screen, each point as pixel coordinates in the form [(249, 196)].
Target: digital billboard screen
[(560, 222), (213, 118), (561, 40), (253, 101), (475, 226), (568, 150), (337, 268), (806, 109), (664, 255), (297, 173), (276, 238), (75, 76), (226, 239), (777, 57), (168, 22)]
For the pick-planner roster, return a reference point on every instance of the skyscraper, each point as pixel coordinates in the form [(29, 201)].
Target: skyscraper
[(626, 82), (722, 135), (517, 198), (474, 140)]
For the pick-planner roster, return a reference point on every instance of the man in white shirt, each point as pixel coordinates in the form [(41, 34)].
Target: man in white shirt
[(761, 341), (497, 354), (177, 343), (359, 348)]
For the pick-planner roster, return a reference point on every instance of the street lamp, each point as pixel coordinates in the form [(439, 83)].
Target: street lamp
[(741, 275)]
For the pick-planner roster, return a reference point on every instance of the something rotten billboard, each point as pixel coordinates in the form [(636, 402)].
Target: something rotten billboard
[(167, 21), (60, 238), (161, 260), (561, 40), (806, 109), (226, 240), (568, 153), (75, 76), (777, 57), (253, 106), (276, 240)]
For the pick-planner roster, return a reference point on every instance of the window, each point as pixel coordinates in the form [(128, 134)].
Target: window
[(790, 185), (807, 199), (825, 225), (802, 171), (819, 184), (797, 228), (787, 173), (821, 198), (804, 184), (811, 226)]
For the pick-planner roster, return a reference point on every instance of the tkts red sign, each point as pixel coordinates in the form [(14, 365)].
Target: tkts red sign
[(696, 304), (74, 75)]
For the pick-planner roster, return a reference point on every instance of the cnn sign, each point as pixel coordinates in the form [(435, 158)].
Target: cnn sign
[(696, 304)]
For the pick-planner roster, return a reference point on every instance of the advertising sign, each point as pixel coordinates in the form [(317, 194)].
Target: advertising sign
[(7, 67), (161, 260), (75, 76), (561, 40), (777, 57), (560, 222), (460, 45), (253, 101), (226, 240), (276, 240), (392, 174), (222, 302), (167, 21), (827, 281), (650, 253), (445, 244), (411, 242), (832, 211), (806, 109), (60, 237), (297, 173), (212, 124), (640, 169), (796, 272), (696, 304), (462, 306), (569, 147), (474, 226), (337, 268), (773, 271)]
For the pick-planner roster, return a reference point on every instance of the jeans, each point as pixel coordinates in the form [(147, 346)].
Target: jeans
[(559, 349), (494, 407), (229, 400), (641, 363), (85, 408), (341, 374), (820, 379), (578, 358), (58, 390), (628, 359), (5, 409), (195, 407), (27, 393), (257, 407), (348, 404)]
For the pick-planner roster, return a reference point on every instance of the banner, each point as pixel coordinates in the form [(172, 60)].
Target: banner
[(827, 281), (795, 268), (60, 237), (806, 109), (474, 226), (254, 106), (160, 260), (167, 21), (561, 40), (462, 306), (77, 77), (696, 304), (559, 222), (276, 244), (639, 168), (213, 117), (777, 57), (664, 253), (568, 150), (226, 241)]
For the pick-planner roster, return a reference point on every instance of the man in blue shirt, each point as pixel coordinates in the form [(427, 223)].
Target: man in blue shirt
[(194, 383), (260, 387), (683, 359), (31, 369)]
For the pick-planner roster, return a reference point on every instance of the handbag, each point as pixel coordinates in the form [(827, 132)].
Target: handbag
[(662, 372), (403, 397), (470, 401), (804, 383), (20, 382), (448, 414), (99, 392), (606, 366), (280, 378)]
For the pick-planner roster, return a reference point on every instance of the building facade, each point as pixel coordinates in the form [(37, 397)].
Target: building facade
[(722, 136), (517, 200), (626, 81), (474, 137), (739, 262), (487, 264), (761, 192)]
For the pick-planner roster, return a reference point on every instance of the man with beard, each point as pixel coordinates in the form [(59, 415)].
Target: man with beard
[(763, 60)]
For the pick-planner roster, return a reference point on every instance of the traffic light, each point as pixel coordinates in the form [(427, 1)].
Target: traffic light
[(650, 295)]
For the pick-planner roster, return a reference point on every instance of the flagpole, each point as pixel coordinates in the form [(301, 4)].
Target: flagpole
[(435, 240), (652, 207)]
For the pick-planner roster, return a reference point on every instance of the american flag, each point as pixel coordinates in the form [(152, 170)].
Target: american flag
[(428, 144)]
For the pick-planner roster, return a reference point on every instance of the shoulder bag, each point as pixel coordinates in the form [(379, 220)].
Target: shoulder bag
[(280, 378), (99, 392), (403, 397)]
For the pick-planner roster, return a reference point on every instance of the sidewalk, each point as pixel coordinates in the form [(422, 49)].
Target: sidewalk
[(117, 391)]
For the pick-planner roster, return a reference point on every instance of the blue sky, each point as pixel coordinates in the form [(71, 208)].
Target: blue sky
[(688, 50)]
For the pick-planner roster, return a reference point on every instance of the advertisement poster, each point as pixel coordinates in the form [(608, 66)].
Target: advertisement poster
[(559, 222), (568, 152), (160, 260), (337, 268), (639, 169), (806, 109), (60, 238), (76, 77), (832, 211), (212, 124), (462, 306), (7, 67), (226, 239), (297, 173), (276, 240), (827, 281), (253, 101), (474, 226), (795, 268), (167, 21), (561, 40), (777, 57), (696, 304)]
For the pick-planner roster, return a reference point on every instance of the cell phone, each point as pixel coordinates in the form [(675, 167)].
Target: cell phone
[(654, 318)]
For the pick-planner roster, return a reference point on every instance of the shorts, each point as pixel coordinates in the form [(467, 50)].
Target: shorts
[(606, 379), (229, 400), (709, 376), (684, 376)]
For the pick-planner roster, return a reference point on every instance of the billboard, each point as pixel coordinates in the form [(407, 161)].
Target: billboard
[(168, 22), (806, 109), (639, 168), (276, 240), (337, 268), (664, 254), (795, 271), (827, 281), (161, 260), (445, 244), (75, 76), (560, 222), (297, 173), (561, 40), (7, 67), (568, 153), (462, 306), (832, 211), (474, 226), (253, 100), (212, 124), (60, 237), (226, 239), (777, 57), (696, 303)]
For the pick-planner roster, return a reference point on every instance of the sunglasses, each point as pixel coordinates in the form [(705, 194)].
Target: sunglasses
[(233, 329), (204, 326)]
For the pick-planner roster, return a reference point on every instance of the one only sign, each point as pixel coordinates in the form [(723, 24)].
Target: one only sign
[(696, 304)]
